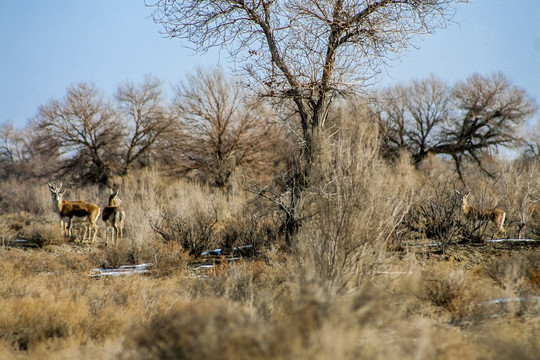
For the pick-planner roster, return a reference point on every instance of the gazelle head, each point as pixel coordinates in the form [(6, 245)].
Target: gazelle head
[(463, 197), (114, 200), (57, 192)]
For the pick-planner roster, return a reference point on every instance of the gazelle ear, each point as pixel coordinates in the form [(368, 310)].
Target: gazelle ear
[(62, 192), (457, 192)]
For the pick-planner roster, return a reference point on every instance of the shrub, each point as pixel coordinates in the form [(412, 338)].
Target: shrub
[(354, 204), (517, 273), (208, 329), (437, 218), (450, 289), (43, 234), (251, 231), (193, 233)]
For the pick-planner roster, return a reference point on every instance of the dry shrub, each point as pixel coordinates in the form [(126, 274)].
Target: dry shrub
[(74, 262), (112, 256), (8, 230), (436, 217), (516, 185), (16, 196), (254, 226), (23, 225), (168, 259), (517, 273), (49, 306), (355, 203), (504, 339), (194, 232), (28, 321), (316, 326), (54, 310), (43, 234), (20, 263), (454, 290), (208, 329)]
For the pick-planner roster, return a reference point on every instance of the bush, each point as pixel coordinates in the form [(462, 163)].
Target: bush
[(450, 289), (43, 234), (437, 218), (354, 204), (208, 329), (517, 273), (193, 233), (251, 231)]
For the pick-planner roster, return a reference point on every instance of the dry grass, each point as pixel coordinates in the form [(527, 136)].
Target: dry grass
[(53, 309), (344, 293)]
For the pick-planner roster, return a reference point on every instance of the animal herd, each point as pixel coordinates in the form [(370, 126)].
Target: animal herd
[(71, 212), (113, 215)]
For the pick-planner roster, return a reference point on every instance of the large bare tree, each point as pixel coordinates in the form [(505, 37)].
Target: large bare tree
[(146, 120), (98, 137), (465, 121), (84, 128), (16, 151), (223, 129), (305, 51)]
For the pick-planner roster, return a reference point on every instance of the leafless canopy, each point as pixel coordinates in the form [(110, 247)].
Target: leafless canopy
[(85, 129), (146, 119), (304, 50), (16, 152), (464, 121), (308, 51), (222, 129), (95, 138)]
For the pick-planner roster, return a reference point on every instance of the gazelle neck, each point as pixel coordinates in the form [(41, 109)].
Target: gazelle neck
[(465, 206), (58, 204)]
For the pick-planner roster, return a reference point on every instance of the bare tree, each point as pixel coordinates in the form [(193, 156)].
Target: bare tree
[(16, 151), (84, 127), (466, 121), (222, 129), (146, 118), (531, 148), (414, 115), (306, 51)]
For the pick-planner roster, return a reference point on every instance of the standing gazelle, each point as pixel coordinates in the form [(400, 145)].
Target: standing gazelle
[(496, 216), (74, 211), (113, 216)]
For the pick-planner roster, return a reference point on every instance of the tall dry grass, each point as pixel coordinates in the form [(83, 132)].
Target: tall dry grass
[(355, 204), (345, 293)]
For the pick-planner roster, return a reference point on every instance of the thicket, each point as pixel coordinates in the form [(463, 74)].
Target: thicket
[(369, 257), (382, 265)]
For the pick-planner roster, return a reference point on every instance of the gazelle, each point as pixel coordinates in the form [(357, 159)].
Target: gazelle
[(74, 211), (473, 213), (113, 216)]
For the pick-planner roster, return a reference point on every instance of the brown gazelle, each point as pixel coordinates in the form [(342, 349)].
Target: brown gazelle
[(113, 216), (74, 211), (496, 216)]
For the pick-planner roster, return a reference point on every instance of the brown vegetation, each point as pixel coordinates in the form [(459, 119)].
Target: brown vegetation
[(357, 282), (338, 234)]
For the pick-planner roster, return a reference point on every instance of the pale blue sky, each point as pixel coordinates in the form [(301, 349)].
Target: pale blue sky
[(48, 46)]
